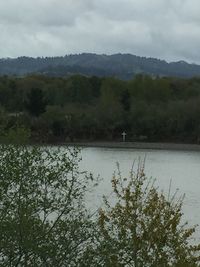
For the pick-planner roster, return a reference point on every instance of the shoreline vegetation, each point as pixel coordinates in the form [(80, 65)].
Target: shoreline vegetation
[(21, 136), (78, 109)]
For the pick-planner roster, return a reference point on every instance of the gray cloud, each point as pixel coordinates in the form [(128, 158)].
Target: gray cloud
[(168, 29)]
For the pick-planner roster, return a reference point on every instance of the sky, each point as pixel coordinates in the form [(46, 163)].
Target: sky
[(165, 29)]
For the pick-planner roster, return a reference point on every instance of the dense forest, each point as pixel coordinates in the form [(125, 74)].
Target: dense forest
[(121, 66), (82, 108)]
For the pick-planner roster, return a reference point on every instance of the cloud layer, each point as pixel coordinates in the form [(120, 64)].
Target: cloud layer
[(167, 29)]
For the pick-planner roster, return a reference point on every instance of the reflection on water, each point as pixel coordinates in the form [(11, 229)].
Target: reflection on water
[(182, 167)]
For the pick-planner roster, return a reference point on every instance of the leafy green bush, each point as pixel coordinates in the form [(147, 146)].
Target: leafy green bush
[(143, 228), (43, 221)]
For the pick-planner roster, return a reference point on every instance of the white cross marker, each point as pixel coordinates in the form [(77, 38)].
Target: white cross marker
[(124, 136)]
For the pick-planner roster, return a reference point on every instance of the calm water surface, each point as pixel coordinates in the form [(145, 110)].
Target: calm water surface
[(182, 167)]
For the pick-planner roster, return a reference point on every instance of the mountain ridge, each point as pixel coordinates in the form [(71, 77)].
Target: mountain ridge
[(123, 66)]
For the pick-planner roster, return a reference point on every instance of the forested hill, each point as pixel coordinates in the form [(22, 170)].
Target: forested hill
[(123, 66)]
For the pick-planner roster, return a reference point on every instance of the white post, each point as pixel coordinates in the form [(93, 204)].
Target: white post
[(124, 136)]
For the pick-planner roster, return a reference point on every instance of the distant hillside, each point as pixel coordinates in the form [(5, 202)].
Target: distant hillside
[(123, 66)]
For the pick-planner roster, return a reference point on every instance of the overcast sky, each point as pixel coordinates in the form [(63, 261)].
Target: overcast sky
[(166, 29)]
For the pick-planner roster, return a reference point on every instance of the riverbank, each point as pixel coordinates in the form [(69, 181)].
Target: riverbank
[(138, 145)]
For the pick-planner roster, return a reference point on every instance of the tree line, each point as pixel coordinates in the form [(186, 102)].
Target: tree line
[(80, 108)]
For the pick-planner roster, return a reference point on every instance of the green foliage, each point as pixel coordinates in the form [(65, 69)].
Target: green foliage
[(15, 135), (80, 90), (42, 215), (162, 109), (36, 103), (13, 128), (143, 227)]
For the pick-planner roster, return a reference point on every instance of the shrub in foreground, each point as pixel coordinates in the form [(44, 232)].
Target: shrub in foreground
[(44, 220), (143, 228)]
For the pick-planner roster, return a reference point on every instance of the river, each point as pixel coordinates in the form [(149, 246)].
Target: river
[(182, 168)]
